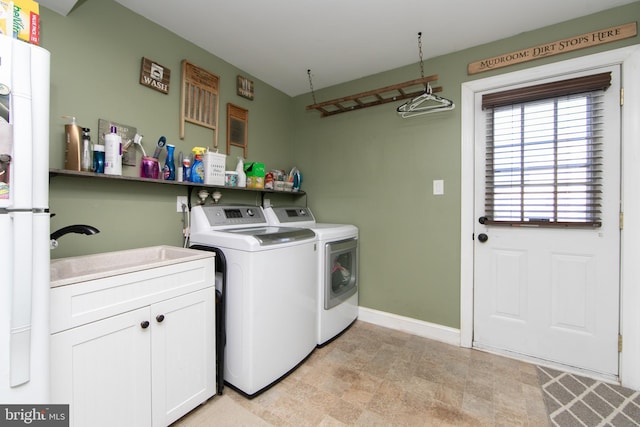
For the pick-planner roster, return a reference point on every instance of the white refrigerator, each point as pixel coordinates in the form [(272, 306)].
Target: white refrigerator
[(24, 223)]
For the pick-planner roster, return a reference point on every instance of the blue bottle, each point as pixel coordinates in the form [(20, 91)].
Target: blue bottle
[(197, 169), (98, 158), (169, 170)]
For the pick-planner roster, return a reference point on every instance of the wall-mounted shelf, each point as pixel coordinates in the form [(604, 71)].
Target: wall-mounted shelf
[(189, 185), (371, 98)]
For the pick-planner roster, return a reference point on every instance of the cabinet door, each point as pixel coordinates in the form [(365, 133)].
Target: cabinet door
[(103, 370), (183, 354)]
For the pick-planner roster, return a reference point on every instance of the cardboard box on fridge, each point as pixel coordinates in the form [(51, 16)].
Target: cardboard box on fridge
[(26, 21), (6, 18)]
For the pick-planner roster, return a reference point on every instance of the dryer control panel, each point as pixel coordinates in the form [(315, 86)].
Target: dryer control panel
[(288, 215)]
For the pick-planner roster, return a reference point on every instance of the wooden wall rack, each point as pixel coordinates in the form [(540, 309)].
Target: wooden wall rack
[(199, 99), (374, 97)]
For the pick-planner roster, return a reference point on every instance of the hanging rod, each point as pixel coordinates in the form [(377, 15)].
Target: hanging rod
[(358, 101)]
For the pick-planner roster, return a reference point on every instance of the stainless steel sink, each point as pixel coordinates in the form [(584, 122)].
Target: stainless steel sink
[(65, 271)]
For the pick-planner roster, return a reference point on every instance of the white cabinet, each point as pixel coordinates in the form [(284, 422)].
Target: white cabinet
[(103, 370), (147, 366), (183, 359)]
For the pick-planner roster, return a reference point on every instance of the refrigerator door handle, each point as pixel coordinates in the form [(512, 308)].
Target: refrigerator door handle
[(20, 332)]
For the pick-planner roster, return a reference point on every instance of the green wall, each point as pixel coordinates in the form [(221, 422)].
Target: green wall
[(374, 169), (96, 52), (367, 167)]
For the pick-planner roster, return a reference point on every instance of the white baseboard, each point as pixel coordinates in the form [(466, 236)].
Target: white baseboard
[(412, 326)]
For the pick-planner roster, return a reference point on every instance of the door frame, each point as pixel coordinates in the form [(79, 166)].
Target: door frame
[(629, 60)]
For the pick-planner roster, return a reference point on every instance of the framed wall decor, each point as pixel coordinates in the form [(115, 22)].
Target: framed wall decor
[(155, 76), (237, 128), (245, 88), (199, 99)]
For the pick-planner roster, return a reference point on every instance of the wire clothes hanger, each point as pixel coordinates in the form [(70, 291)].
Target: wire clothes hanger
[(427, 102)]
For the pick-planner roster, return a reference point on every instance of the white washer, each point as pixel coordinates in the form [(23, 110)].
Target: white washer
[(337, 276), (270, 297)]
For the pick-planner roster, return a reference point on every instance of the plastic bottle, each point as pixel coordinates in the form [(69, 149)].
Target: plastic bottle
[(112, 153), (86, 150), (295, 177), (242, 177), (169, 169), (186, 168), (73, 146), (180, 168), (197, 169), (98, 158)]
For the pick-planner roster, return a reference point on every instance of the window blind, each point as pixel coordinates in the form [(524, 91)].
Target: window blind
[(544, 155)]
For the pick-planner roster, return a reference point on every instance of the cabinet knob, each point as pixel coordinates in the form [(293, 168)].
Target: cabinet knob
[(160, 317), (144, 324)]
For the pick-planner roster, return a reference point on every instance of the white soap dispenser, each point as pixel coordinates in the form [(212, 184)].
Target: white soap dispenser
[(242, 177)]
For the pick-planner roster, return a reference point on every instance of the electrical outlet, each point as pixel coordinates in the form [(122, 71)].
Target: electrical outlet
[(180, 200), (438, 187)]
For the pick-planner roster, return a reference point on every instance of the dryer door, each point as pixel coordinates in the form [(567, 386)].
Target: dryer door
[(341, 275)]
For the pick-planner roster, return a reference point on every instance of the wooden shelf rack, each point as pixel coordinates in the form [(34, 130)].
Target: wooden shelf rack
[(375, 97)]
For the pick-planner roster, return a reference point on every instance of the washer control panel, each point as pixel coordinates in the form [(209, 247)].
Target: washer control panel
[(233, 215)]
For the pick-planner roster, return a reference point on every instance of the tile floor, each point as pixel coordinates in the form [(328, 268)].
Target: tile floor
[(373, 376)]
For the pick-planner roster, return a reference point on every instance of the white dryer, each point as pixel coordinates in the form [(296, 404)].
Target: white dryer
[(337, 273), (270, 297)]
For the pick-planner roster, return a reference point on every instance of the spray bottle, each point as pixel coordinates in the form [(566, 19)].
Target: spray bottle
[(197, 169)]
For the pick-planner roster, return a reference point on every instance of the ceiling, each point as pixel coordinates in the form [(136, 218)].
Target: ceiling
[(277, 41)]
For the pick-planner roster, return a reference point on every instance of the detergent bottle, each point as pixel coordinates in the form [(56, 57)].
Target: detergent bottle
[(197, 169), (242, 177)]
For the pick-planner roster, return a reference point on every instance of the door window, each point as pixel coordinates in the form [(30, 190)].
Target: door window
[(544, 153)]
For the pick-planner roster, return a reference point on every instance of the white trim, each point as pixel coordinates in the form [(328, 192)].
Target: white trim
[(548, 364), (629, 57), (412, 326), (630, 246)]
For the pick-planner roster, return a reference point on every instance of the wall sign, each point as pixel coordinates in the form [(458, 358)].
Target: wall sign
[(582, 41), (245, 88), (126, 132), (155, 76)]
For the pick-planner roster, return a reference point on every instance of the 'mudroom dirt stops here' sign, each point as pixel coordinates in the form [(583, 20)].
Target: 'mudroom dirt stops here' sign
[(582, 41)]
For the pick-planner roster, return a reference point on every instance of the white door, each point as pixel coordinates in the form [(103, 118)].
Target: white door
[(183, 342), (552, 293), (103, 371)]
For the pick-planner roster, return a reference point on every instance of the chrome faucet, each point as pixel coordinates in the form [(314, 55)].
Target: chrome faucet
[(77, 228)]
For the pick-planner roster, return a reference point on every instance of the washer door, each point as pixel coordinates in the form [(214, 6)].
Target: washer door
[(341, 275)]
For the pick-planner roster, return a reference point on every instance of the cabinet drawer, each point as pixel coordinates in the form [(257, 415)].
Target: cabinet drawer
[(86, 302)]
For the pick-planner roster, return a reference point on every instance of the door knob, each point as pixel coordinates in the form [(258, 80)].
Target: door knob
[(160, 318), (144, 324), (482, 219), (483, 237)]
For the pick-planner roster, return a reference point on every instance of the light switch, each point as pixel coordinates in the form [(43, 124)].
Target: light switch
[(438, 187)]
